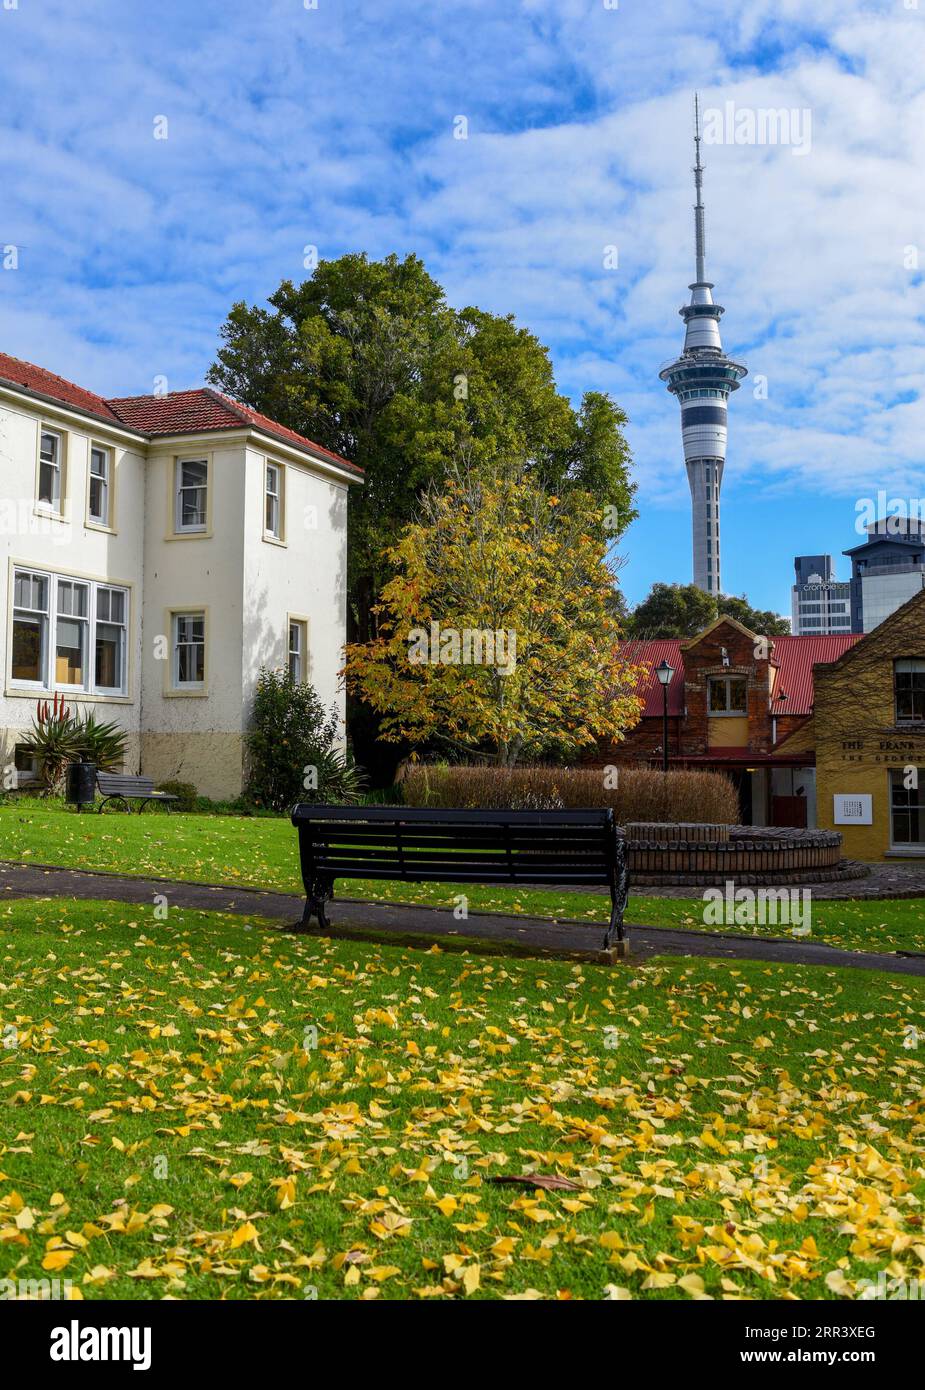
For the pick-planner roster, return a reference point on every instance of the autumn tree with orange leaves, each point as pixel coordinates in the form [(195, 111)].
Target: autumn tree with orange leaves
[(497, 634)]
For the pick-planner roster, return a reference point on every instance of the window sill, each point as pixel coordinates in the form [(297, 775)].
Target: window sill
[(188, 535), (274, 540), (41, 692), (906, 852), (100, 526), (49, 514)]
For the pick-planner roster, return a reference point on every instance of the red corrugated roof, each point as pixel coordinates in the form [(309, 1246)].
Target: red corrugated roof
[(179, 412), (794, 657), (652, 654)]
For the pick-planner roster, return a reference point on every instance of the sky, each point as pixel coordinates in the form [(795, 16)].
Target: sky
[(334, 124)]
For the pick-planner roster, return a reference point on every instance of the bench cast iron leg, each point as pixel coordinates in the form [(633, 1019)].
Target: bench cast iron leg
[(315, 900), (616, 942)]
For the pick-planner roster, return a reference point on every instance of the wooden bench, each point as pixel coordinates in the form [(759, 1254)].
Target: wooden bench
[(115, 786), (418, 845)]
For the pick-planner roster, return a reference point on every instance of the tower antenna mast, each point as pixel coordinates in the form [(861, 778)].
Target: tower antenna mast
[(699, 232)]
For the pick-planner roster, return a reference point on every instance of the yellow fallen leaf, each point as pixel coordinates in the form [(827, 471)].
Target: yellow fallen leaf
[(57, 1259)]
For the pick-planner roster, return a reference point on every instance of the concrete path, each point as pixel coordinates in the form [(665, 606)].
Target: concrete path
[(380, 922)]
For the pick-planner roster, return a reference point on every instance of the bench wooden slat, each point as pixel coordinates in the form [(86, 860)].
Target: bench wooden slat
[(446, 843), (408, 815), (417, 844), (125, 787)]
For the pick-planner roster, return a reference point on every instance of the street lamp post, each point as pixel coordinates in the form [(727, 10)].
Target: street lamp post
[(664, 673)]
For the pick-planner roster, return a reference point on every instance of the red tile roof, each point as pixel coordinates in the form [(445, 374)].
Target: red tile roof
[(179, 412), (794, 657), (42, 383)]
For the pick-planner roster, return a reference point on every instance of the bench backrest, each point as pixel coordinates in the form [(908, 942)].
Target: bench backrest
[(120, 784), (457, 846)]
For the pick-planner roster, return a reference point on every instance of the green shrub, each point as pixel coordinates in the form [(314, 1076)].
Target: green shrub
[(291, 748), (103, 744), (185, 792), (640, 793)]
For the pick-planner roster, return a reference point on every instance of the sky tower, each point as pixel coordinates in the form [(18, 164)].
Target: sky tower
[(702, 378)]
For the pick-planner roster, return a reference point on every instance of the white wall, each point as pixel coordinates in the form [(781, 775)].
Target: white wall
[(305, 576), (68, 546)]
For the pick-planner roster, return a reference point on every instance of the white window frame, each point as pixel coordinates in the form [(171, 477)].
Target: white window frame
[(44, 617), (176, 616), (54, 506), (274, 496), (300, 652), (196, 528), (98, 621), (83, 621), (105, 479), (726, 713), (48, 657)]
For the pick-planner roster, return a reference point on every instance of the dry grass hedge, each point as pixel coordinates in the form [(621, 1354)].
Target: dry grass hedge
[(641, 794)]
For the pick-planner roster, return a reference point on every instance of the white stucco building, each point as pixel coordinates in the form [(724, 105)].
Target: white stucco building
[(155, 552)]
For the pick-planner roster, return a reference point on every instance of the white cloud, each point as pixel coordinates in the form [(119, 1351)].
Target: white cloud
[(334, 127)]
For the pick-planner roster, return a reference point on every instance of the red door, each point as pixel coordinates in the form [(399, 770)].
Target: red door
[(789, 811)]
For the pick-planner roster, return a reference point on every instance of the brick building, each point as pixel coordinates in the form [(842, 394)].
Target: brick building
[(738, 704)]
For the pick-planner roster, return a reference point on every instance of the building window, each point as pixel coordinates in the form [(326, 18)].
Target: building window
[(70, 618), (30, 627), (907, 808), (71, 628), (192, 494), (727, 695), (50, 452), (189, 651), (909, 688), (298, 641), (100, 485), (110, 643), (26, 765), (273, 508)]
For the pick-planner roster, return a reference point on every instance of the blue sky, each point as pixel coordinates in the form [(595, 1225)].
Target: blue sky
[(289, 126)]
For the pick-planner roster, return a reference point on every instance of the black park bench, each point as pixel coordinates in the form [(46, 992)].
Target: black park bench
[(116, 786), (419, 845)]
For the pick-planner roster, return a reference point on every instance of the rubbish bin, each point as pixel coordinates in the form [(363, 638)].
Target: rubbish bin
[(81, 784)]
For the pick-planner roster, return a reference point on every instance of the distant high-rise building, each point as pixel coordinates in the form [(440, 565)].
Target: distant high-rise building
[(887, 568), (702, 379), (821, 604)]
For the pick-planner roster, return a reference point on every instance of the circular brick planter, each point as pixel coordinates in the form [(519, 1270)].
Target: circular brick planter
[(677, 855)]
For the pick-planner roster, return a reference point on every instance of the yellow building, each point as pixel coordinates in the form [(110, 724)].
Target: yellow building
[(868, 729)]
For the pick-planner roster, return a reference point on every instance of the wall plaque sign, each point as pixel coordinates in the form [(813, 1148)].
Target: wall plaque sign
[(854, 808)]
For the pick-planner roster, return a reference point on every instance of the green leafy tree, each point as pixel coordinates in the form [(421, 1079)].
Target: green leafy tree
[(672, 610), (367, 358), (683, 610), (762, 621)]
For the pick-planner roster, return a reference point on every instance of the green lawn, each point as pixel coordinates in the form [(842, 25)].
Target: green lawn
[(172, 1125), (262, 853)]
